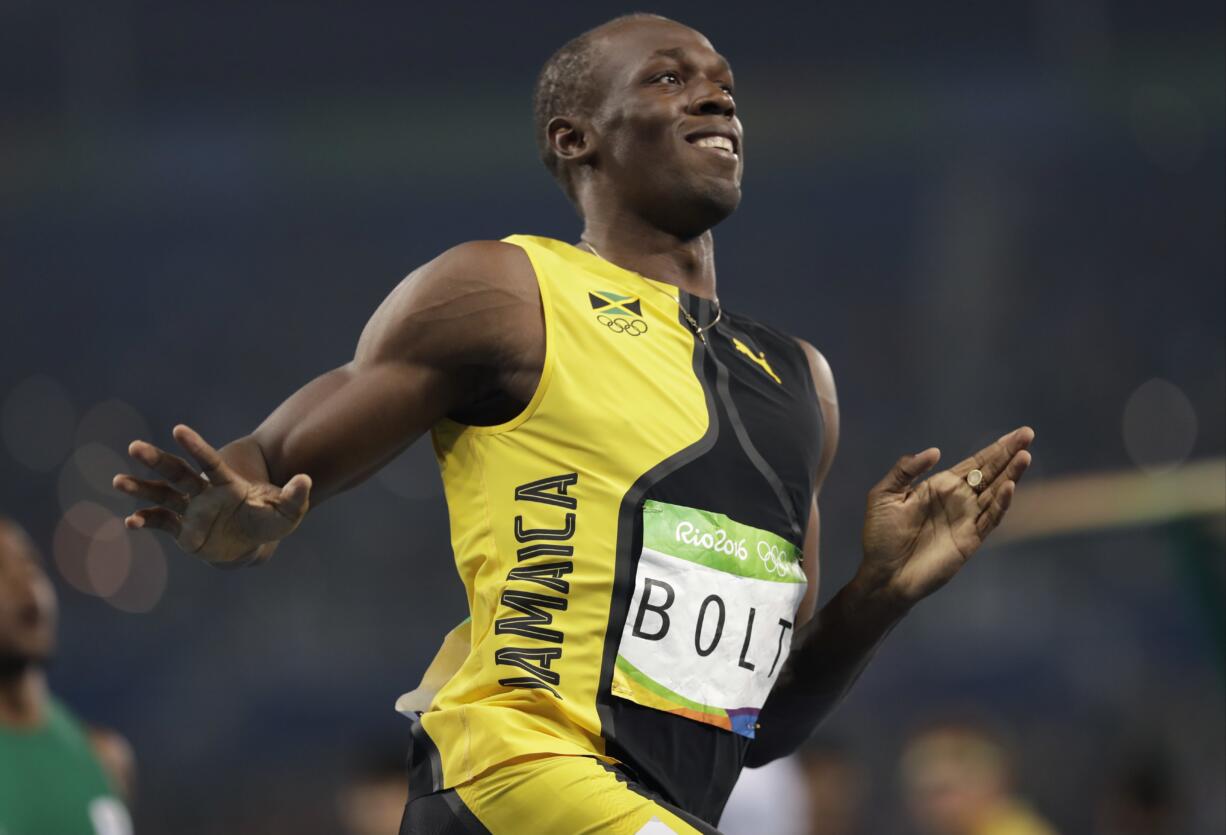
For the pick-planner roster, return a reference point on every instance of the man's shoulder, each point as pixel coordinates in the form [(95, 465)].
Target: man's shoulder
[(479, 261), (470, 305), (818, 363), (468, 276), (823, 380), (481, 250)]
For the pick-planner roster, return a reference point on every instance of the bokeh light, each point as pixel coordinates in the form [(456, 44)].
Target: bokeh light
[(87, 474), (1159, 426), (146, 578), (36, 423), (98, 556), (112, 423), (108, 559), (74, 536)]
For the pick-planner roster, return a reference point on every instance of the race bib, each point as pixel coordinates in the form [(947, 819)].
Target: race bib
[(710, 623)]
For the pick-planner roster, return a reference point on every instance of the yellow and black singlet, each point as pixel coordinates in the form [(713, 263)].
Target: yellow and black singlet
[(630, 544)]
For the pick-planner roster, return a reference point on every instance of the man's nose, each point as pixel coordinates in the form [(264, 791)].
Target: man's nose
[(714, 101)]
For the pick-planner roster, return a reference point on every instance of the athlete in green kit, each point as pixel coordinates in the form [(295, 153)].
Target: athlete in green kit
[(57, 777)]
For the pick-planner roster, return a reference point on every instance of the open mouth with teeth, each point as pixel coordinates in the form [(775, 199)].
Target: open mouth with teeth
[(722, 145)]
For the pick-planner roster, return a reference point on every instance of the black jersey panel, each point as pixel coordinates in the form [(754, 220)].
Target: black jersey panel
[(756, 466)]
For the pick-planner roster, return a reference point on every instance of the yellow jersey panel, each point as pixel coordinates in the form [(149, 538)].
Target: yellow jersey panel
[(534, 507)]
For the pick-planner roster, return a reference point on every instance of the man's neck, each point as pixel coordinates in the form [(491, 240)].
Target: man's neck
[(634, 245), (23, 698)]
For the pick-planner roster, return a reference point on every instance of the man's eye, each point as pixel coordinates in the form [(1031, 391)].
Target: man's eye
[(727, 88), (669, 78)]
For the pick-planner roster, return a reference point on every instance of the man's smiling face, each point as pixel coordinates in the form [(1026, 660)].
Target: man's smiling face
[(669, 140)]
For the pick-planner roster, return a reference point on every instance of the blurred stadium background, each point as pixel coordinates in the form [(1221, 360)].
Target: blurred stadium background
[(983, 214)]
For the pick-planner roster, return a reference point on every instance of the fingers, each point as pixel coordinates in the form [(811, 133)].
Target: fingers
[(156, 517), (1017, 466), (907, 469), (1014, 470), (995, 501), (989, 518), (216, 470), (991, 460), (171, 467), (295, 497), (158, 492)]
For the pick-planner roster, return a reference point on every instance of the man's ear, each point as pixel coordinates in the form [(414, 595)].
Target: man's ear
[(571, 138)]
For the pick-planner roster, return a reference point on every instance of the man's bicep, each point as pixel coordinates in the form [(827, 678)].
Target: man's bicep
[(420, 357), (347, 423)]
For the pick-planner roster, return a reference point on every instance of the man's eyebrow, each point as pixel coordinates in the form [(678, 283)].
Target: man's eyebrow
[(678, 54)]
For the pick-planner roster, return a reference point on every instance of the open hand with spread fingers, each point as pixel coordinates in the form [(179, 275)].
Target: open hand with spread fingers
[(214, 512), (917, 534)]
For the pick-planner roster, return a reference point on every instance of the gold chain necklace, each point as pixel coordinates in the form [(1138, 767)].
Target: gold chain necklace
[(699, 331)]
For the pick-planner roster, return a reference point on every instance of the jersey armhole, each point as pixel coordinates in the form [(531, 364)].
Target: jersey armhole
[(454, 427)]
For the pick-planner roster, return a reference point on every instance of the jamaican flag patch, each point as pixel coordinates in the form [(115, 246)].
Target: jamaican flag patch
[(615, 304)]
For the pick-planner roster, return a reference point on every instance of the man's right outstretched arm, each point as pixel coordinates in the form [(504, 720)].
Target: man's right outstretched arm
[(463, 330)]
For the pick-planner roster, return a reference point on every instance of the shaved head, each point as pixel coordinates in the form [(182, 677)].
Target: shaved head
[(636, 118), (566, 87)]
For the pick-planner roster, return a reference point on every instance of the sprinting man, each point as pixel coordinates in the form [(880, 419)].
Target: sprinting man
[(57, 776), (632, 474)]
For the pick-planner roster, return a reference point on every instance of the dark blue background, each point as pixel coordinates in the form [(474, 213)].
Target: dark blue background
[(983, 214)]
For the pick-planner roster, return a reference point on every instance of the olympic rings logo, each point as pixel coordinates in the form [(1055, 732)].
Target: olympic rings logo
[(634, 327), (773, 559)]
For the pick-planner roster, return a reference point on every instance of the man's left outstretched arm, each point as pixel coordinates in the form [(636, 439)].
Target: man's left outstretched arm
[(917, 535)]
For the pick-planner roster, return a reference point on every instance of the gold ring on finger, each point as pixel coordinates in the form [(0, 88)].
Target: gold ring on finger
[(975, 479)]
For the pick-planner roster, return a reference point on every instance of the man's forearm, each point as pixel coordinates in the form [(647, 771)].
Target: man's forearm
[(828, 655)]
